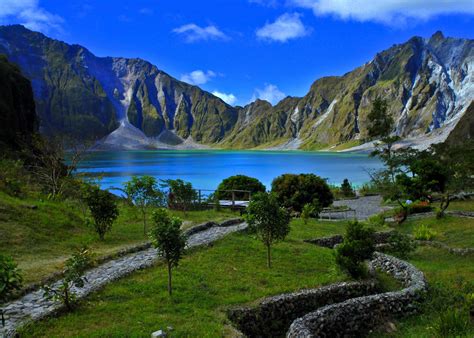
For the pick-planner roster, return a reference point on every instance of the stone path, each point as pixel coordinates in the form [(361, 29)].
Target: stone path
[(364, 206), (34, 306)]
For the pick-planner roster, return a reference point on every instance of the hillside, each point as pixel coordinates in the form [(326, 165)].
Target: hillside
[(131, 104)]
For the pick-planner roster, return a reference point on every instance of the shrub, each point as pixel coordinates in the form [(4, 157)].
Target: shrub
[(419, 207), (368, 189), (376, 220), (166, 236), (424, 233), (73, 276), (12, 176), (358, 246), (401, 245), (268, 220), (10, 280), (294, 191), (103, 208), (239, 182)]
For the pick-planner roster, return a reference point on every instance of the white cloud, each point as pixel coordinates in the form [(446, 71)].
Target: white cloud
[(269, 93), (266, 3), (386, 11), (287, 26), (198, 77), (193, 33), (227, 98), (30, 14)]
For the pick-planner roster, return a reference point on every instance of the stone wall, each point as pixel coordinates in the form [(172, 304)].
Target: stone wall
[(273, 316), (356, 316), (332, 241)]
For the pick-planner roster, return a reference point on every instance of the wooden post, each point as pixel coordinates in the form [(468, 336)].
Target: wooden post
[(199, 196), (233, 199)]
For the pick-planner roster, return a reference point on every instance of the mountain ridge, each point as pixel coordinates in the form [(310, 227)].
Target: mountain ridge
[(131, 104)]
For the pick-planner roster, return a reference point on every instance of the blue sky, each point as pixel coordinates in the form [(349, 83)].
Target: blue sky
[(243, 49)]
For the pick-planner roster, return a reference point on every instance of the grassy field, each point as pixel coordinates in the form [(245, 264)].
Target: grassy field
[(41, 239), (207, 282)]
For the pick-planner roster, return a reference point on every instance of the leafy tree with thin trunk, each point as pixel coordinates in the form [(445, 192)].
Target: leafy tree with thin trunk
[(10, 280), (144, 193), (73, 275), (181, 194), (269, 221), (103, 208), (168, 239)]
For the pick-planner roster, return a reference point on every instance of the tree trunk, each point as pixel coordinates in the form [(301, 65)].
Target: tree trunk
[(404, 215), (169, 279), (66, 298), (444, 205), (144, 222), (269, 258), (3, 318)]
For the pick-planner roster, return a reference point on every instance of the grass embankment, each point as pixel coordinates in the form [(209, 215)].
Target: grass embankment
[(42, 234), (231, 272)]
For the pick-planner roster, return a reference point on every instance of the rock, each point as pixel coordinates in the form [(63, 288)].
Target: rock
[(159, 333)]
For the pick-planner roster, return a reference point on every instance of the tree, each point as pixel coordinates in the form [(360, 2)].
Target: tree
[(294, 191), (72, 276), (358, 246), (269, 221), (181, 194), (168, 239), (307, 212), (103, 208), (10, 280), (239, 182), (144, 193), (380, 123), (346, 189)]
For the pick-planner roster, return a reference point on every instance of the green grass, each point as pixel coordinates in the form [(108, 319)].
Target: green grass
[(467, 205), (208, 281), (445, 273), (452, 230), (40, 240)]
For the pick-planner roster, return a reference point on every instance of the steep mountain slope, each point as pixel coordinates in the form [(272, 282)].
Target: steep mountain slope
[(87, 96), (428, 84), (17, 107), (131, 104)]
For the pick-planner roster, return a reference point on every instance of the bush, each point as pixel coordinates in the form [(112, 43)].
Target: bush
[(358, 246), (376, 220), (239, 182), (368, 189), (400, 245), (103, 208), (424, 233), (12, 175), (181, 194), (294, 191), (307, 212)]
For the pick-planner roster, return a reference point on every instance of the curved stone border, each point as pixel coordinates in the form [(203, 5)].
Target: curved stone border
[(274, 315), (34, 306), (441, 245), (358, 315)]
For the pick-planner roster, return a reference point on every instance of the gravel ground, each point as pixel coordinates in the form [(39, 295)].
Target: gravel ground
[(33, 306), (363, 206)]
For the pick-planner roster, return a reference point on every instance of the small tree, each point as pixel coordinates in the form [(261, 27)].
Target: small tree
[(358, 246), (270, 222), (346, 189), (168, 239), (103, 208), (10, 280), (181, 194), (73, 276), (307, 212), (144, 193)]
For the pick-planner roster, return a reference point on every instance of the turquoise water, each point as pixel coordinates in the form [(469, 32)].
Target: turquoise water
[(206, 169)]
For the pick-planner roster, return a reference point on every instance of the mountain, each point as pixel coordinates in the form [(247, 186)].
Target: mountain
[(131, 104), (17, 107), (87, 96), (428, 84)]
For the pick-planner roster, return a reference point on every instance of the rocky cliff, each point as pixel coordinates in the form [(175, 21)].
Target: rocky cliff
[(129, 103), (17, 107)]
